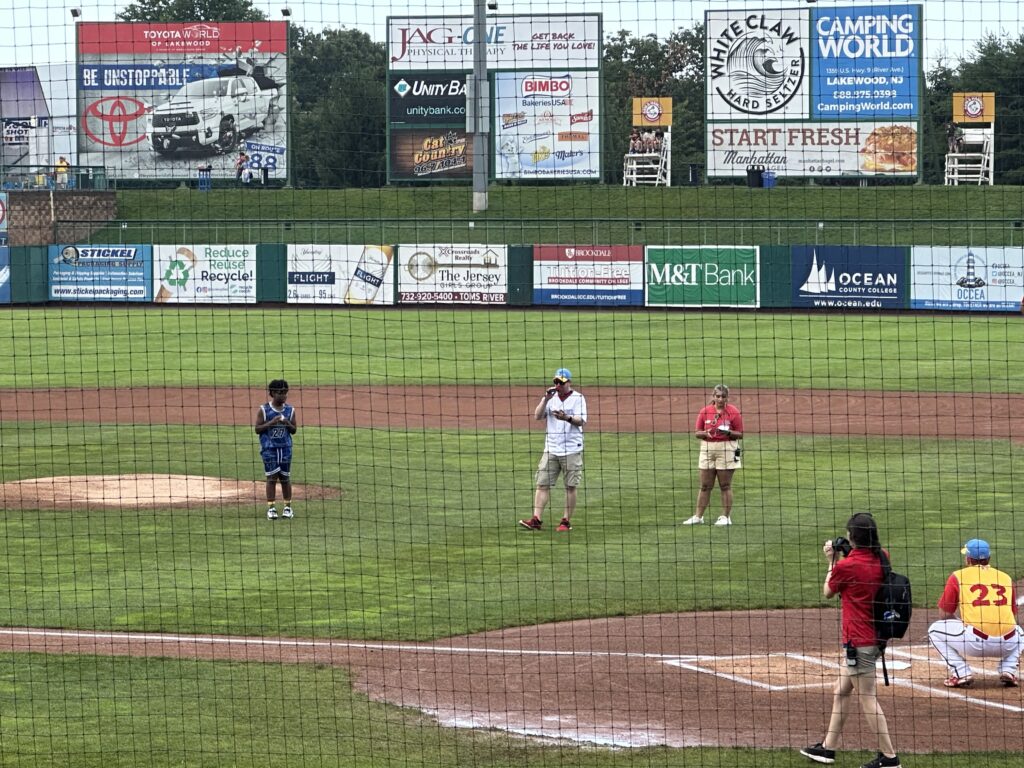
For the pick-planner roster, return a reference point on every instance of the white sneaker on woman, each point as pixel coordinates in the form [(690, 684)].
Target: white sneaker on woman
[(693, 520), (723, 520)]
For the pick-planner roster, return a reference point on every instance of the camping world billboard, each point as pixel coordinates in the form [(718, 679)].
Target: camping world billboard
[(157, 100), (814, 92)]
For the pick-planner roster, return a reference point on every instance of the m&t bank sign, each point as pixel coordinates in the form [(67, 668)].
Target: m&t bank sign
[(703, 276)]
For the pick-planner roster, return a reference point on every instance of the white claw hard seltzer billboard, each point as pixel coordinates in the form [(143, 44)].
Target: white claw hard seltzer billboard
[(822, 91)]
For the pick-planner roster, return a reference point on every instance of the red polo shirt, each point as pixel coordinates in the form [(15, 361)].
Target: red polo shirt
[(709, 419), (857, 578)]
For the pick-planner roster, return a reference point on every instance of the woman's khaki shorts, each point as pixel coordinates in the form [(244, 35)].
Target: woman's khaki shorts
[(866, 657), (551, 466), (719, 455)]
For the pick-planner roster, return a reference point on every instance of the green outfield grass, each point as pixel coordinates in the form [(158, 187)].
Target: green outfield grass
[(72, 346), (716, 215), (403, 556)]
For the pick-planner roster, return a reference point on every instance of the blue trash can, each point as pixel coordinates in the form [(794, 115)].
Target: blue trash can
[(768, 179), (205, 179)]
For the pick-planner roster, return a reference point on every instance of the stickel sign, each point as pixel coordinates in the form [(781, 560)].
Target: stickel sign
[(100, 272)]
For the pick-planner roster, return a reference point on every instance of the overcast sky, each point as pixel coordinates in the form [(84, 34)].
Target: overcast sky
[(42, 31)]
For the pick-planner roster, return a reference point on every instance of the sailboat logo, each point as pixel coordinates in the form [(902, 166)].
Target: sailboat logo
[(820, 279)]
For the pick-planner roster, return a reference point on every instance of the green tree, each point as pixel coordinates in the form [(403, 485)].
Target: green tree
[(338, 81), (191, 10)]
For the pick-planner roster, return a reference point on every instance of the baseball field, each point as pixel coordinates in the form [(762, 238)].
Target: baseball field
[(152, 615)]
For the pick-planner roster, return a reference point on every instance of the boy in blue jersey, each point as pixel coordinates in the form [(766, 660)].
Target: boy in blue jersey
[(275, 424)]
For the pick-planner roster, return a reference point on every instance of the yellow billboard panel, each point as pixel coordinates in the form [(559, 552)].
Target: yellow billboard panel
[(974, 107), (652, 111)]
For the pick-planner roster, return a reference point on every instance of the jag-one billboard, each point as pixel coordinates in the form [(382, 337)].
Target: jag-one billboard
[(522, 41), (776, 77), (155, 100)]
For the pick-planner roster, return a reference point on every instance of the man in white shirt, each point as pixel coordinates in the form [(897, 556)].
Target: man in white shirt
[(566, 412)]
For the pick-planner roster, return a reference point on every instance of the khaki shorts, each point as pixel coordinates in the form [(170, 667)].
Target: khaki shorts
[(722, 454), (551, 466), (866, 658)]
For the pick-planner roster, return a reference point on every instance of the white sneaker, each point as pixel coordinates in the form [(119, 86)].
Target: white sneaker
[(694, 521), (287, 512), (271, 514), (723, 520)]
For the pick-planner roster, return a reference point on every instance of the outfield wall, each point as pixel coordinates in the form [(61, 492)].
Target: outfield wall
[(957, 278)]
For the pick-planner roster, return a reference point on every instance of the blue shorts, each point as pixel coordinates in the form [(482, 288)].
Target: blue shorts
[(277, 461)]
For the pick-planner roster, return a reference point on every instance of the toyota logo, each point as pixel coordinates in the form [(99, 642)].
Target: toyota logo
[(111, 118)]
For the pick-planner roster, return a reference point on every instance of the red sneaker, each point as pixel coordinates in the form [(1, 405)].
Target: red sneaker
[(958, 682), (564, 525), (533, 524), (1009, 679)]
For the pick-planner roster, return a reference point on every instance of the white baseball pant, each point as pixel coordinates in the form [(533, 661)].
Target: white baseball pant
[(955, 641)]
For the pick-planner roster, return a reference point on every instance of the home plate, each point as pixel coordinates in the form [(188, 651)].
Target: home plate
[(892, 664)]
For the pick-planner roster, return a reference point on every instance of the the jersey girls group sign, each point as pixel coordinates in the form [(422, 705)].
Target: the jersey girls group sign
[(814, 92)]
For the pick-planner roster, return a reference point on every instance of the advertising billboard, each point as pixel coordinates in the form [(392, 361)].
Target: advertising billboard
[(5, 275), (547, 125), (703, 276), (155, 100), (100, 272), (204, 274), (805, 148), (439, 153), (974, 107), (432, 98), (849, 277), (536, 42), (37, 115), (589, 275), (967, 278), (789, 89), (341, 274), (452, 274)]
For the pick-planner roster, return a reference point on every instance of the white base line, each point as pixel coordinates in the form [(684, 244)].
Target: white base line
[(685, 662)]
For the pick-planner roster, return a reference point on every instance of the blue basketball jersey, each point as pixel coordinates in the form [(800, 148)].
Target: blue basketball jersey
[(278, 435)]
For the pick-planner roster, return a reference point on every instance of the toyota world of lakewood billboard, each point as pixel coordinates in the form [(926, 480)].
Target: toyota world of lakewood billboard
[(823, 91), (156, 101)]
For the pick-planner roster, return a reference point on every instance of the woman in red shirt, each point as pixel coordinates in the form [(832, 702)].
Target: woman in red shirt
[(720, 426), (856, 579)]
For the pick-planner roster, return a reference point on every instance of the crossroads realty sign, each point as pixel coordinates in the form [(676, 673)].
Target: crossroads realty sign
[(699, 276)]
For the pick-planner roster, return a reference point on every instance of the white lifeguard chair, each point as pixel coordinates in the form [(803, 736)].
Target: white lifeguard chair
[(974, 159), (653, 168)]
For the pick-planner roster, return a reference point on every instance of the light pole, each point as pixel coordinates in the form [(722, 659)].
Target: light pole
[(481, 100), (286, 12)]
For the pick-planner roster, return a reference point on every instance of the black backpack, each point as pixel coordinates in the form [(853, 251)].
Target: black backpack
[(892, 607)]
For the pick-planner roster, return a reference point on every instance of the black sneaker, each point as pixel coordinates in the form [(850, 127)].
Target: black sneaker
[(819, 754), (881, 761)]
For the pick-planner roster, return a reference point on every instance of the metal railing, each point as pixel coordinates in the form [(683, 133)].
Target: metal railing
[(55, 177)]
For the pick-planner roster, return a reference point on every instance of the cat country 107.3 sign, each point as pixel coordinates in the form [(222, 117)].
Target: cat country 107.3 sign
[(814, 92)]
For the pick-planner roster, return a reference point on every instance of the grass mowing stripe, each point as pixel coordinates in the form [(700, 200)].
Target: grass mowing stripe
[(424, 542), (106, 347)]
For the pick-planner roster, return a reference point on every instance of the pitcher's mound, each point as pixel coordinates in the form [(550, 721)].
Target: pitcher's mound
[(119, 491)]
